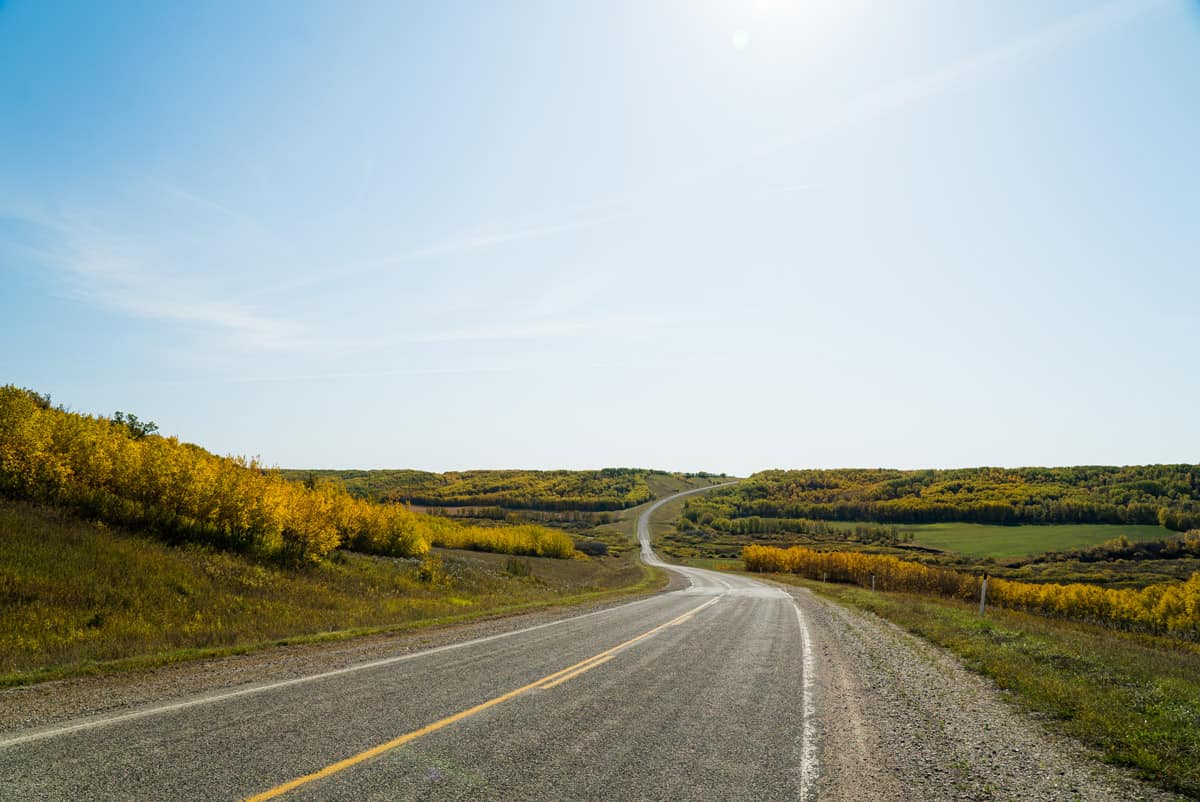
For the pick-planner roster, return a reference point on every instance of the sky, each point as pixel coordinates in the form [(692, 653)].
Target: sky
[(704, 235)]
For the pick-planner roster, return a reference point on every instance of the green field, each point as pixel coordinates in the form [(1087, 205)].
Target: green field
[(983, 540), (1010, 552)]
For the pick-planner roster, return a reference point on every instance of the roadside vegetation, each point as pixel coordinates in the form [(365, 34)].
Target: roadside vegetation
[(117, 470), (121, 547), (1167, 608), (79, 596), (1134, 698)]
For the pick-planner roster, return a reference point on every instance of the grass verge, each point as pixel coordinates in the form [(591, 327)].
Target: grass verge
[(1133, 698), (78, 597)]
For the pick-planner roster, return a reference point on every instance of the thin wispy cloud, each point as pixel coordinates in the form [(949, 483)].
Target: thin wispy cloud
[(180, 193), (124, 274), (519, 330), (803, 186), (496, 332), (908, 92), (464, 243)]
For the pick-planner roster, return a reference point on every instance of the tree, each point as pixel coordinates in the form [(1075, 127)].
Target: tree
[(137, 428)]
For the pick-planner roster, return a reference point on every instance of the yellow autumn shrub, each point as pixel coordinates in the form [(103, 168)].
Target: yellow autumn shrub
[(1167, 608)]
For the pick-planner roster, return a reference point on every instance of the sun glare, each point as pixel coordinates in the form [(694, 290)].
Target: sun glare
[(798, 20)]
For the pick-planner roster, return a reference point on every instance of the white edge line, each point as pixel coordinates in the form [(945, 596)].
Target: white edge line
[(808, 748), (220, 697)]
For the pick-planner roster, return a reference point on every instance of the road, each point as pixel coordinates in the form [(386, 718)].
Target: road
[(699, 693), (725, 688)]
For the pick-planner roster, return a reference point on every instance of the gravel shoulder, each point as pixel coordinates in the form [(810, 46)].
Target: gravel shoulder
[(902, 719)]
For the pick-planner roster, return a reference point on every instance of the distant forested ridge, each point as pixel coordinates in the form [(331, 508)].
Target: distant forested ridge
[(595, 491), (1165, 495)]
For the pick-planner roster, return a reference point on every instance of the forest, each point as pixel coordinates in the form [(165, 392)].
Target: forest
[(120, 471), (1165, 495), (593, 491)]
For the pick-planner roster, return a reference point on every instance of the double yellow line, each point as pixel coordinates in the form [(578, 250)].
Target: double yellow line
[(546, 682)]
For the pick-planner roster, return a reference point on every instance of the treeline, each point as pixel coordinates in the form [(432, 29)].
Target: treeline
[(122, 474), (594, 491), (1161, 609), (524, 516), (1165, 495), (1122, 548), (755, 525)]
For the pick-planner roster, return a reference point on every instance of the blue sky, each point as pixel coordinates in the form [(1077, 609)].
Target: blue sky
[(718, 236)]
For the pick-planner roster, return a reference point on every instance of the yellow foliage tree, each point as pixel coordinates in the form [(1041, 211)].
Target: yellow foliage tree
[(1167, 608)]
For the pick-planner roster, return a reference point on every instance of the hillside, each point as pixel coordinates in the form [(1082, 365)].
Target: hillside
[(77, 595), (608, 489), (1165, 495), (119, 471)]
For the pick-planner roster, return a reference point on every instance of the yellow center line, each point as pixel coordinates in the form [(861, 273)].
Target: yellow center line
[(575, 674), (548, 681)]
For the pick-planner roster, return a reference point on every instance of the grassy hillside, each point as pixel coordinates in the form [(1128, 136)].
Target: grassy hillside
[(77, 594), (119, 471)]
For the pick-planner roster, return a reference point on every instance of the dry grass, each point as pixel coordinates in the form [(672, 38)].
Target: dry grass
[(75, 595)]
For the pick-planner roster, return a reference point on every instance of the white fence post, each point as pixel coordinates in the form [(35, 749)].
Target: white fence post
[(983, 594)]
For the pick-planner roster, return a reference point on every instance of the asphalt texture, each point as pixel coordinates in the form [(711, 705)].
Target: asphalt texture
[(700, 693)]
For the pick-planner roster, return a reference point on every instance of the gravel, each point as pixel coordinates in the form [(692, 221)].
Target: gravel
[(902, 719)]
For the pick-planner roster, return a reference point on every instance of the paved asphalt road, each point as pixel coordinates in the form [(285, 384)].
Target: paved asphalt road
[(703, 693)]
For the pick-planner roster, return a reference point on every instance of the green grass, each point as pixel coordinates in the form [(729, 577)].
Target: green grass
[(76, 597), (1133, 698), (983, 540)]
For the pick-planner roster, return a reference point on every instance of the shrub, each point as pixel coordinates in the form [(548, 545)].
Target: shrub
[(1163, 608)]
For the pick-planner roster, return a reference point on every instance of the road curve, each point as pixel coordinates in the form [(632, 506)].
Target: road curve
[(729, 689), (702, 693)]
